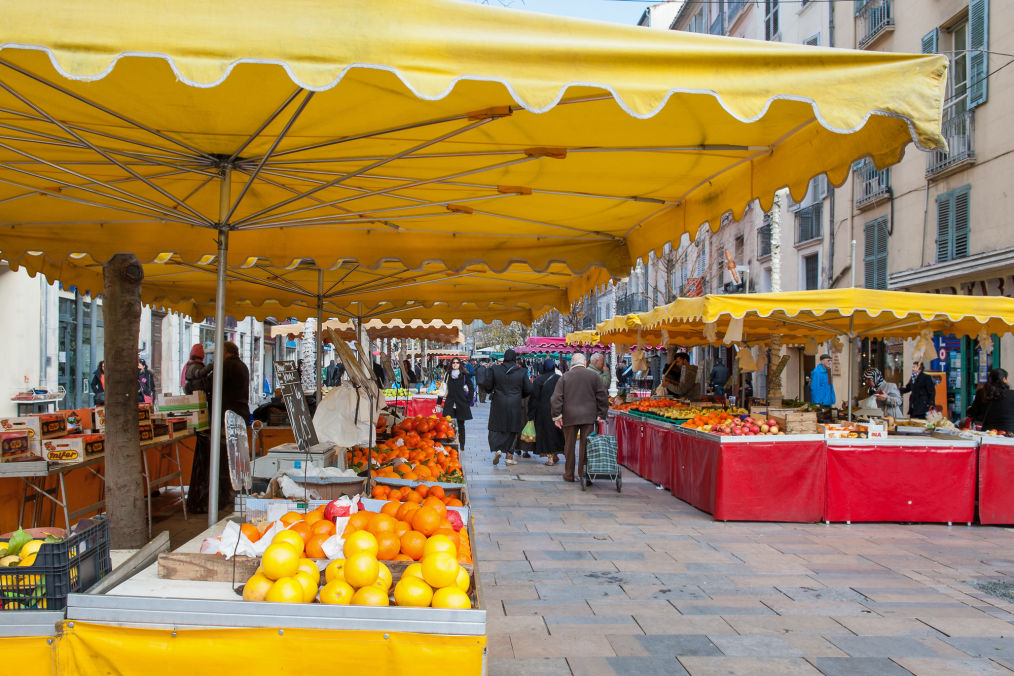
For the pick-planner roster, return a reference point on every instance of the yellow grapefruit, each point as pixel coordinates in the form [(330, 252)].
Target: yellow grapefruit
[(361, 542), (384, 579), (370, 595), (310, 568), (256, 588), (463, 581), (439, 543), (451, 597), (285, 590), (413, 592), (308, 585), (291, 538), (361, 570), (334, 570), (279, 561), (413, 570), (337, 592), (440, 570)]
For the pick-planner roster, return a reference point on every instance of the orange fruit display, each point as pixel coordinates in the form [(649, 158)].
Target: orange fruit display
[(426, 520), (314, 548), (250, 531), (302, 529), (390, 508), (290, 518), (388, 546), (322, 527), (359, 520), (412, 544), (381, 523)]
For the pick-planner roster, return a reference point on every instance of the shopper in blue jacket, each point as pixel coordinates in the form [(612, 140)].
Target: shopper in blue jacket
[(821, 389)]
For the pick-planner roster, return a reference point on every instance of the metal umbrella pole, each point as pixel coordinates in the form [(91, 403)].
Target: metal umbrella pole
[(216, 374), (320, 333)]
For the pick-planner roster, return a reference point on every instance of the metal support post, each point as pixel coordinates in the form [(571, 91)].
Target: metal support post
[(216, 389), (319, 335)]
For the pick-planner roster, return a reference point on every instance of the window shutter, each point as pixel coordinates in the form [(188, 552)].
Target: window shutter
[(702, 259), (944, 204), (870, 255), (961, 222), (978, 56), (929, 42), (881, 266)]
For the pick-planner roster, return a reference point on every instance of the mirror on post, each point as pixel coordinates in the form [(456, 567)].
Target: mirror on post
[(238, 451)]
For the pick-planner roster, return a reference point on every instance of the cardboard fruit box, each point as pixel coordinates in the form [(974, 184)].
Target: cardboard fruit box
[(73, 448)]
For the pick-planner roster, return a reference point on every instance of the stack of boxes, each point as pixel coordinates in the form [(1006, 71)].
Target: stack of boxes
[(183, 412), (62, 437)]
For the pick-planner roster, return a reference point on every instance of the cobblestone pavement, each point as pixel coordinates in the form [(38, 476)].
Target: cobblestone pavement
[(642, 583)]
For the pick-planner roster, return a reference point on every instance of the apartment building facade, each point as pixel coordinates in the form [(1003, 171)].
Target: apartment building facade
[(935, 222)]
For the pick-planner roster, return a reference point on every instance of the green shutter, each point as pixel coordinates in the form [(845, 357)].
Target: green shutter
[(978, 55), (944, 211), (929, 42), (962, 197), (881, 262), (870, 255)]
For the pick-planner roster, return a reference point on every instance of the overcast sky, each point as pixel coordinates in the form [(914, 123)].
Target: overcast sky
[(618, 11)]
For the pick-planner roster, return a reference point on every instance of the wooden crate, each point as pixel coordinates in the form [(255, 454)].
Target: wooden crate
[(796, 422)]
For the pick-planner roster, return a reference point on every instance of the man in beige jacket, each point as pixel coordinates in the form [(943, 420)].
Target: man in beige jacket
[(578, 401)]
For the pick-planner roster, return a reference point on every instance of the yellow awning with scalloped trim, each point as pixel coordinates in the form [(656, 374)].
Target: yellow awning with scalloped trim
[(416, 131)]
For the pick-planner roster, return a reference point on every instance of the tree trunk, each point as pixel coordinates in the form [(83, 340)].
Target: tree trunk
[(121, 311)]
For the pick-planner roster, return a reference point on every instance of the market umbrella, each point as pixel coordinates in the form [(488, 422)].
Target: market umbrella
[(803, 316), (414, 130), (417, 329)]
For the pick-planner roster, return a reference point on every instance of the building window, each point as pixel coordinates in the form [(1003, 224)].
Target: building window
[(734, 9), (697, 24), (771, 20), (808, 223), (875, 258), (952, 224), (873, 18), (813, 40), (811, 272), (870, 184), (764, 238)]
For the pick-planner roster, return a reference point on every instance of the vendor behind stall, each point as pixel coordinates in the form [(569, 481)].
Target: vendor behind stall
[(923, 389), (994, 403), (887, 395), (680, 377)]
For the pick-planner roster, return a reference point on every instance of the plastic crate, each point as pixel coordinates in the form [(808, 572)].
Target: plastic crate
[(60, 568)]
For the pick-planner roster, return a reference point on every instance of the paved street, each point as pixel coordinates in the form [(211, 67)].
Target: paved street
[(642, 583)]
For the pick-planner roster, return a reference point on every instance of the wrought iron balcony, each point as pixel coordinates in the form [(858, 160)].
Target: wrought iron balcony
[(808, 223), (873, 19), (631, 303), (959, 130), (871, 186)]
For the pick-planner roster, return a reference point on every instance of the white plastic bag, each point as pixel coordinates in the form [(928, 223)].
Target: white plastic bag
[(335, 418)]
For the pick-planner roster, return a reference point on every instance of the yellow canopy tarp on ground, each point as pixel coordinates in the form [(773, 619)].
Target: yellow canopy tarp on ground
[(824, 314), (416, 130), (436, 330)]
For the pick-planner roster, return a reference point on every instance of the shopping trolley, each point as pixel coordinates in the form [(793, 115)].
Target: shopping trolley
[(601, 462)]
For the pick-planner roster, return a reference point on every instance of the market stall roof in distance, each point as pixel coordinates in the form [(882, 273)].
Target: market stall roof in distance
[(388, 291), (417, 130), (821, 315), (441, 332)]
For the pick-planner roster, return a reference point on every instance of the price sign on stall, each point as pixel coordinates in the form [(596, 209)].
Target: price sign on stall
[(291, 385)]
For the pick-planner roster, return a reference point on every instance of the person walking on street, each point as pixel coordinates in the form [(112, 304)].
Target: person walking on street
[(145, 382), (578, 401), (597, 363), (480, 378), (98, 384), (508, 385), (717, 379), (548, 437), (821, 388), (923, 389), (457, 403)]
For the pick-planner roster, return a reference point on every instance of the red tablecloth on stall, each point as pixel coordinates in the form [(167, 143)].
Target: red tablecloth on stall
[(996, 477), (900, 480), (755, 479)]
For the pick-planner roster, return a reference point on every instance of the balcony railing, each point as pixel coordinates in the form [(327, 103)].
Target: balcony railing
[(588, 322), (808, 223), (626, 305), (874, 18), (870, 184), (959, 130), (733, 9)]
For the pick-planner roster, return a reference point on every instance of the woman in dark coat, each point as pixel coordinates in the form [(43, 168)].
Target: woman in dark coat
[(996, 405), (508, 385), (457, 403), (548, 437)]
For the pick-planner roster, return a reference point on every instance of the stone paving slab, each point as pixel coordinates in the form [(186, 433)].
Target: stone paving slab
[(598, 583)]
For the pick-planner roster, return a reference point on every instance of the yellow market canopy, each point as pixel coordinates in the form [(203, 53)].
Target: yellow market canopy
[(416, 130), (821, 315), (349, 290), (437, 331)]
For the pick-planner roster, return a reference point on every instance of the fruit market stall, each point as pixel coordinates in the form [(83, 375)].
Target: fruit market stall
[(844, 455), (996, 476)]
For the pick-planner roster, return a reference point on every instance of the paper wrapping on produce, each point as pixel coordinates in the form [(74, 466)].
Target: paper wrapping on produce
[(734, 333), (290, 489)]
